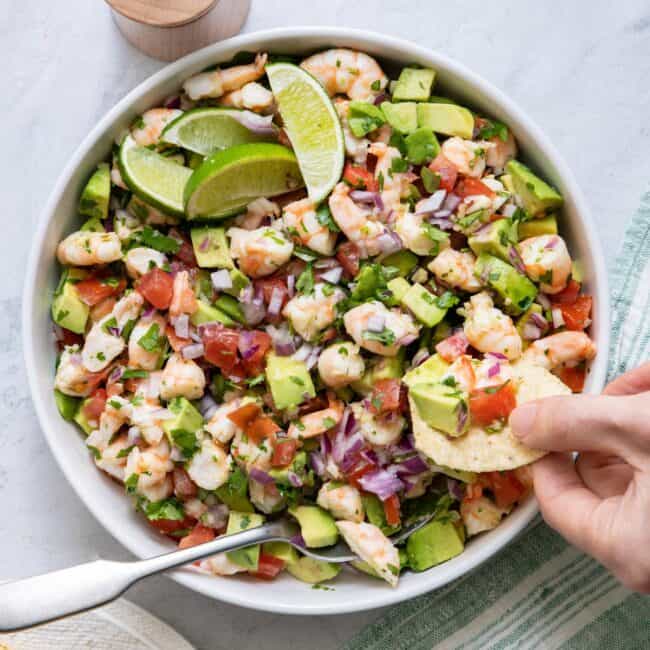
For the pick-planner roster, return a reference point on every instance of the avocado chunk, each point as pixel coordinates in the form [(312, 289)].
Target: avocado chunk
[(68, 310), (97, 193), (422, 146), (459, 474), (449, 119), (67, 405), (289, 381), (383, 368), (231, 307), (431, 370), (404, 261), (235, 492), (317, 526), (81, 418), (282, 551), (208, 314), (495, 238), (537, 227), (239, 282), (211, 248), (364, 117), (402, 117), (414, 84), (93, 224), (313, 571), (375, 514), (181, 429), (298, 466), (248, 557), (434, 543), (515, 289), (423, 304), (364, 567), (398, 287), (537, 196), (441, 407)]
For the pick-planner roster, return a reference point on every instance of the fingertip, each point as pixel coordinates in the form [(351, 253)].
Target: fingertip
[(522, 420)]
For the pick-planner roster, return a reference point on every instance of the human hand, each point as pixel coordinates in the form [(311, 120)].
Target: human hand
[(600, 503)]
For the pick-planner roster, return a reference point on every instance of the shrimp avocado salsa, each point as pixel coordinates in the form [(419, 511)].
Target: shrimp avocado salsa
[(306, 289)]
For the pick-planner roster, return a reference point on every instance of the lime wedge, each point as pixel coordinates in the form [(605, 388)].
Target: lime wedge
[(204, 130), (153, 178), (312, 125), (229, 180)]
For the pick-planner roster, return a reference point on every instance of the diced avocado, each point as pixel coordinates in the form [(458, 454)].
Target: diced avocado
[(414, 84), (317, 526), (423, 305), (403, 558), (235, 492), (68, 406), (282, 551), (495, 238), (537, 196), (68, 310), (525, 317), (81, 418), (515, 289), (248, 557), (181, 429), (434, 543), (364, 567), (459, 474), (449, 119), (289, 381), (431, 370), (239, 282), (399, 287), (506, 180), (97, 193), (383, 368), (297, 466), (441, 332), (441, 407), (437, 99), (230, 306), (211, 248), (313, 571), (93, 224), (404, 261), (537, 227), (422, 146), (375, 514), (402, 117), (208, 314), (364, 117)]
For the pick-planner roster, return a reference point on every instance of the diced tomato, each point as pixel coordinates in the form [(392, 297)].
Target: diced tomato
[(506, 487), (577, 315), (360, 178), (221, 346), (348, 256), (385, 396), (96, 405), (453, 347), (392, 510), (177, 343), (184, 487), (200, 534), (267, 285), (472, 187), (268, 567), (168, 526), (244, 415), (446, 170), (156, 287), (357, 472), (70, 338), (568, 295), (254, 360), (283, 453), (262, 428), (185, 253), (489, 404), (103, 308), (574, 378), (94, 290)]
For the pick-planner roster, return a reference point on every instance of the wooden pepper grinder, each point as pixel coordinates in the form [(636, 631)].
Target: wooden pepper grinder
[(169, 29)]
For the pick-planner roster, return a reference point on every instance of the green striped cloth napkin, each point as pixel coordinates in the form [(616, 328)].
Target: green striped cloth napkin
[(540, 592)]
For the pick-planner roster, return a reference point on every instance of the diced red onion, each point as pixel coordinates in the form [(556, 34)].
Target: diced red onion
[(497, 355), (221, 280), (431, 204), (109, 225), (216, 516), (333, 276), (194, 335), (291, 285), (552, 243), (254, 311), (303, 352), (389, 242), (115, 375), (462, 417), (413, 465), (260, 476), (148, 312), (382, 483), (294, 479), (544, 300), (133, 436), (451, 202), (312, 359), (174, 101), (351, 448), (530, 331), (517, 261), (558, 318), (193, 351), (539, 320), (455, 489), (182, 326), (298, 540), (494, 370), (205, 244), (176, 455), (258, 124), (317, 462), (247, 348), (326, 263), (407, 340), (420, 357), (441, 220), (369, 456), (381, 97), (275, 303), (508, 210), (376, 323), (207, 406)]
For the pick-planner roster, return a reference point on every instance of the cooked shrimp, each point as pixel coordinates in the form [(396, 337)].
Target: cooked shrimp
[(153, 328), (393, 184), (562, 349), (248, 454), (302, 223), (220, 426), (266, 498), (72, 378), (141, 260), (456, 269), (183, 298), (104, 341), (501, 152), (112, 459), (463, 373), (480, 514), (151, 466), (260, 252), (343, 501), (466, 155), (356, 222), (373, 547), (488, 329), (210, 466), (86, 248), (311, 314), (147, 129), (252, 96), (340, 364), (115, 414), (347, 72), (547, 261), (221, 565), (221, 81), (255, 213), (182, 378), (313, 424), (125, 225), (355, 148), (410, 228), (379, 430), (388, 331)]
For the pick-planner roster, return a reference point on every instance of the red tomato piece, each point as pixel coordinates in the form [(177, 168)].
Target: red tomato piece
[(489, 404), (254, 361), (283, 453), (96, 405), (244, 415), (221, 346), (577, 315), (357, 472), (446, 170), (200, 534), (453, 346), (156, 287), (348, 256), (93, 290), (574, 378), (168, 526), (262, 428), (184, 487), (268, 567), (472, 187), (506, 487), (185, 253), (360, 178), (568, 295), (392, 510), (385, 396)]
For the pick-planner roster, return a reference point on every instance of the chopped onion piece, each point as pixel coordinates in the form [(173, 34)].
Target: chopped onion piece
[(376, 323), (558, 318), (193, 351), (221, 280)]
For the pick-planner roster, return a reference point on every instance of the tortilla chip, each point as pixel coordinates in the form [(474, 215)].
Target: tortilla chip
[(479, 451)]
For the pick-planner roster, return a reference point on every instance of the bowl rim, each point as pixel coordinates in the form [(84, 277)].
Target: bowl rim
[(526, 512)]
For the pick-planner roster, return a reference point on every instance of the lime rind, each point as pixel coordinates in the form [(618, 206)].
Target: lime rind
[(312, 124)]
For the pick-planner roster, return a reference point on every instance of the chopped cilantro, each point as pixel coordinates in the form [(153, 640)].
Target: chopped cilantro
[(171, 509), (134, 373), (447, 300), (328, 422), (430, 180), (152, 238), (123, 453), (305, 282), (398, 165), (385, 337), (305, 254), (494, 128), (96, 453), (254, 381), (297, 380), (324, 218), (151, 341), (186, 441)]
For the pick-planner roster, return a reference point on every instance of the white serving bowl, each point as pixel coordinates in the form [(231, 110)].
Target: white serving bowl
[(104, 498)]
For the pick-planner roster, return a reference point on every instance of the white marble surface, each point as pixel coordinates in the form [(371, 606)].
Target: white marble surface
[(580, 68)]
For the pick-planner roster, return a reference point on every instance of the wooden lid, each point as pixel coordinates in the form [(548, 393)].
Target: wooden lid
[(162, 13)]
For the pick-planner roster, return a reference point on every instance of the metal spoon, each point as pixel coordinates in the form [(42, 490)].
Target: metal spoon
[(40, 599)]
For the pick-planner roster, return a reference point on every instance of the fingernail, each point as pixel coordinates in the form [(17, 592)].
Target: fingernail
[(522, 419)]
